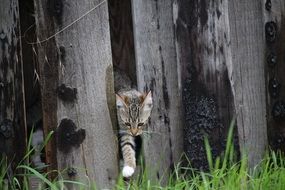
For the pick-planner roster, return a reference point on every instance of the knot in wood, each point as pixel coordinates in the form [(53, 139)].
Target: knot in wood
[(270, 31), (66, 94), (6, 128), (68, 136), (62, 53), (268, 5), (278, 110), (71, 172)]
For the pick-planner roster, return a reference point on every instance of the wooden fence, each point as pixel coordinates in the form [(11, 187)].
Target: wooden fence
[(12, 114), (206, 62)]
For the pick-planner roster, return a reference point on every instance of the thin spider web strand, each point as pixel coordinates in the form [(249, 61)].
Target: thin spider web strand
[(69, 25)]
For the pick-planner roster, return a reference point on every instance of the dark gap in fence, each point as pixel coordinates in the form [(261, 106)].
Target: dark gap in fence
[(31, 86), (122, 40), (30, 67)]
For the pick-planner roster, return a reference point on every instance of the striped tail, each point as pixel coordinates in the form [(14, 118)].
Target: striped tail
[(129, 155)]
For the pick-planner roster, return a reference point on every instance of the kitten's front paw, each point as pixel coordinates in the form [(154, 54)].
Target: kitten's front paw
[(128, 171)]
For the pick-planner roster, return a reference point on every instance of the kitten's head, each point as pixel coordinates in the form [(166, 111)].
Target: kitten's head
[(134, 111)]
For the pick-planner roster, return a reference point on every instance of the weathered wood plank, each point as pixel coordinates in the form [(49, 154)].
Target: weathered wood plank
[(157, 71), (203, 51), (275, 78), (11, 84), (248, 81), (79, 79), (48, 71), (225, 69)]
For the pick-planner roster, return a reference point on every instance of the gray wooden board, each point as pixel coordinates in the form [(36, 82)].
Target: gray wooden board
[(248, 81), (11, 81), (84, 62), (204, 57), (48, 73), (157, 71)]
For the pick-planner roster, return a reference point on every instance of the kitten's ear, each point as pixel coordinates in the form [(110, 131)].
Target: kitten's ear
[(147, 102), (122, 107), (120, 102), (146, 107)]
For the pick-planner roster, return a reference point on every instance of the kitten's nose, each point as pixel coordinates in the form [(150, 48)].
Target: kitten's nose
[(134, 131)]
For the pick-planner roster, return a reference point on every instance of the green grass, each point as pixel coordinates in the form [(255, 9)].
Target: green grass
[(225, 172)]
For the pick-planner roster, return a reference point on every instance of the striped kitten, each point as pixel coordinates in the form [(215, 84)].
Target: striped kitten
[(133, 111)]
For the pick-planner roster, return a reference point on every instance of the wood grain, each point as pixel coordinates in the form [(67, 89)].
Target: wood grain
[(248, 82), (80, 58), (48, 71), (220, 48), (11, 82), (157, 71), (204, 56)]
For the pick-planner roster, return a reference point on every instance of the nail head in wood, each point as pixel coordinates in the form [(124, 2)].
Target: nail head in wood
[(274, 88), (272, 59)]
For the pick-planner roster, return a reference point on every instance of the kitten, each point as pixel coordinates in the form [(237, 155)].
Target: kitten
[(133, 111), (37, 143), (34, 122)]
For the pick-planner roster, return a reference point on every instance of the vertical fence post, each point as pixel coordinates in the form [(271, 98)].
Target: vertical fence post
[(12, 114), (77, 89), (220, 46), (248, 79), (157, 71), (274, 63), (204, 56)]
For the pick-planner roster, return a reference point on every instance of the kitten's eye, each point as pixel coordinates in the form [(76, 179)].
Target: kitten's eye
[(140, 124), (127, 124)]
